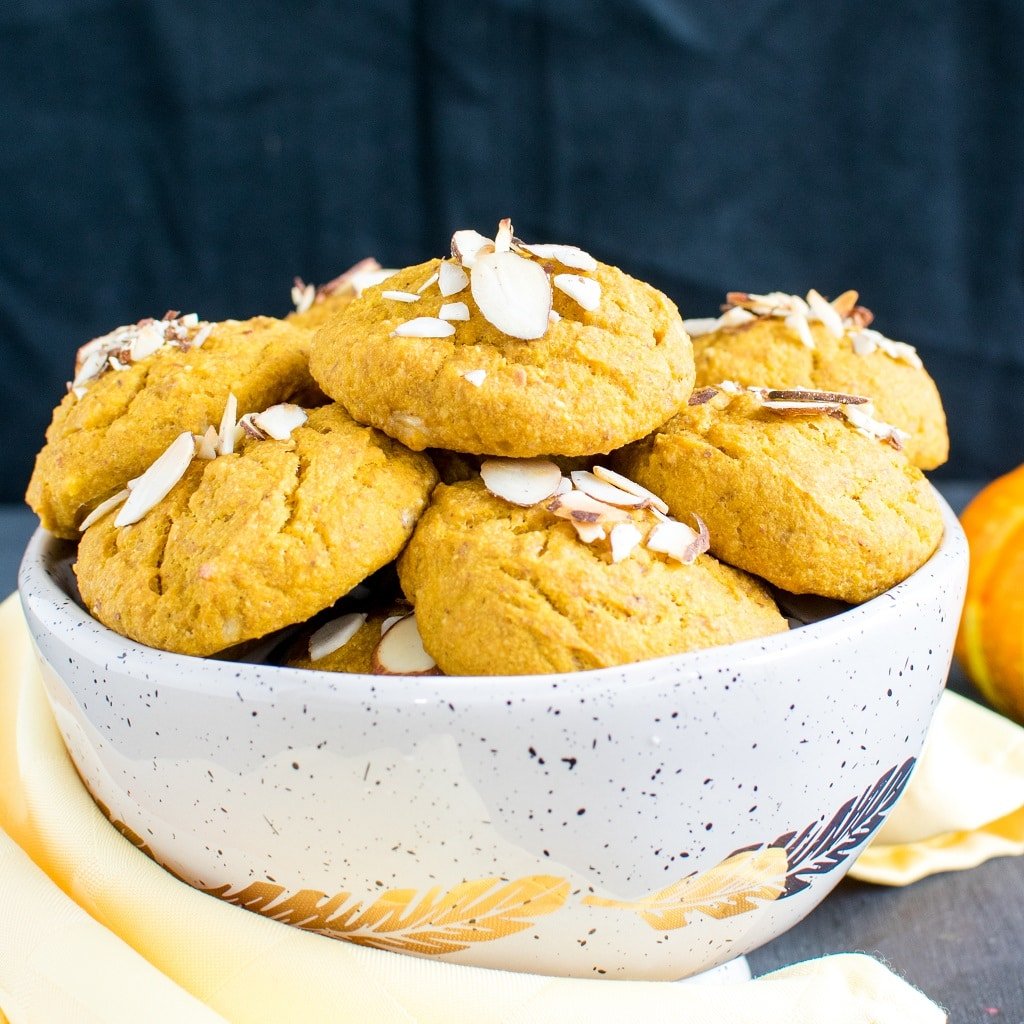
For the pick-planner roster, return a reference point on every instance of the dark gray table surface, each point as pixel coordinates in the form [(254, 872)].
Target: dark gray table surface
[(959, 936)]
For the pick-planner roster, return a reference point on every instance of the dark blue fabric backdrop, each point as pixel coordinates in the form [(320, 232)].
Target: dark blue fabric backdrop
[(159, 154)]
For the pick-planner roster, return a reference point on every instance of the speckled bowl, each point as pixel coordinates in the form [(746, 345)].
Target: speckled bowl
[(649, 821)]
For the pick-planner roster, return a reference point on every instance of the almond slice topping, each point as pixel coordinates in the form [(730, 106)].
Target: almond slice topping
[(390, 621), (698, 326), (201, 335), (503, 239), (454, 311), (568, 255), (279, 421), (426, 284), (798, 322), (581, 508), (736, 317), (303, 295), (863, 421), (512, 294), (702, 396), (400, 296), (865, 341), (601, 490), (475, 377), (584, 290), (228, 422), (678, 541), (401, 652), (845, 304), (332, 636), (624, 483), (155, 484), (809, 395), (207, 446), (451, 278), (424, 327), (554, 316), (824, 312), (522, 482), (103, 508), (624, 537), (466, 245), (590, 533)]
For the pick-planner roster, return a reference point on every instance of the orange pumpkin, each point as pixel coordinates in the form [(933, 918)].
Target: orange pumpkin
[(990, 645)]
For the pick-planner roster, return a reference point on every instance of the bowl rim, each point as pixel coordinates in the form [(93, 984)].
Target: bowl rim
[(43, 596)]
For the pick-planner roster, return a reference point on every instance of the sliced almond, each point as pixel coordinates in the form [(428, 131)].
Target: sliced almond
[(426, 284), (584, 290), (332, 636), (821, 310), (228, 422), (475, 377), (451, 278), (625, 484), (207, 447), (864, 422), (801, 408), (798, 322), (400, 296), (155, 484), (466, 245), (564, 485), (390, 621), (702, 396), (678, 541), (424, 327), (522, 482), (844, 304), (200, 337), (359, 282), (554, 316), (149, 339), (601, 490), (503, 239), (589, 533), (513, 294), (865, 341), (809, 395), (624, 538), (103, 508), (279, 421), (568, 255), (303, 295), (401, 652), (358, 277), (579, 507), (699, 326), (735, 317), (454, 311)]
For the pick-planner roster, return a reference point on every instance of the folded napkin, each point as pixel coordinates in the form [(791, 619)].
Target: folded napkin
[(93, 931), (964, 804)]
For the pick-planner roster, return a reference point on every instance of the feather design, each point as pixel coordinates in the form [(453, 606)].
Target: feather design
[(736, 886), (435, 923)]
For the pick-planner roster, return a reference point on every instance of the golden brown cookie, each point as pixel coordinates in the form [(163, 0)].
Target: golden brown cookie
[(110, 427), (850, 358), (500, 589), (809, 501), (589, 381), (250, 542)]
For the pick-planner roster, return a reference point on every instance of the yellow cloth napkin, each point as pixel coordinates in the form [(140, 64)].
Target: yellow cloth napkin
[(93, 931), (964, 804)]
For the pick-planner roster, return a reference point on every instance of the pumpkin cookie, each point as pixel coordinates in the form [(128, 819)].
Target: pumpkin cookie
[(247, 543), (818, 344), (803, 488), (508, 349), (561, 581), (138, 387)]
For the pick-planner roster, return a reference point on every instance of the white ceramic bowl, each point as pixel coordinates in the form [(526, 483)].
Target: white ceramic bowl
[(648, 821)]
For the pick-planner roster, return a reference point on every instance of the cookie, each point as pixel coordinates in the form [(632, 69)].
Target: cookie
[(780, 339), (138, 387), (503, 589), (508, 353), (250, 542), (806, 490)]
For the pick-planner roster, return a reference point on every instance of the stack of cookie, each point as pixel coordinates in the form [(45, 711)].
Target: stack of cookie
[(607, 497)]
